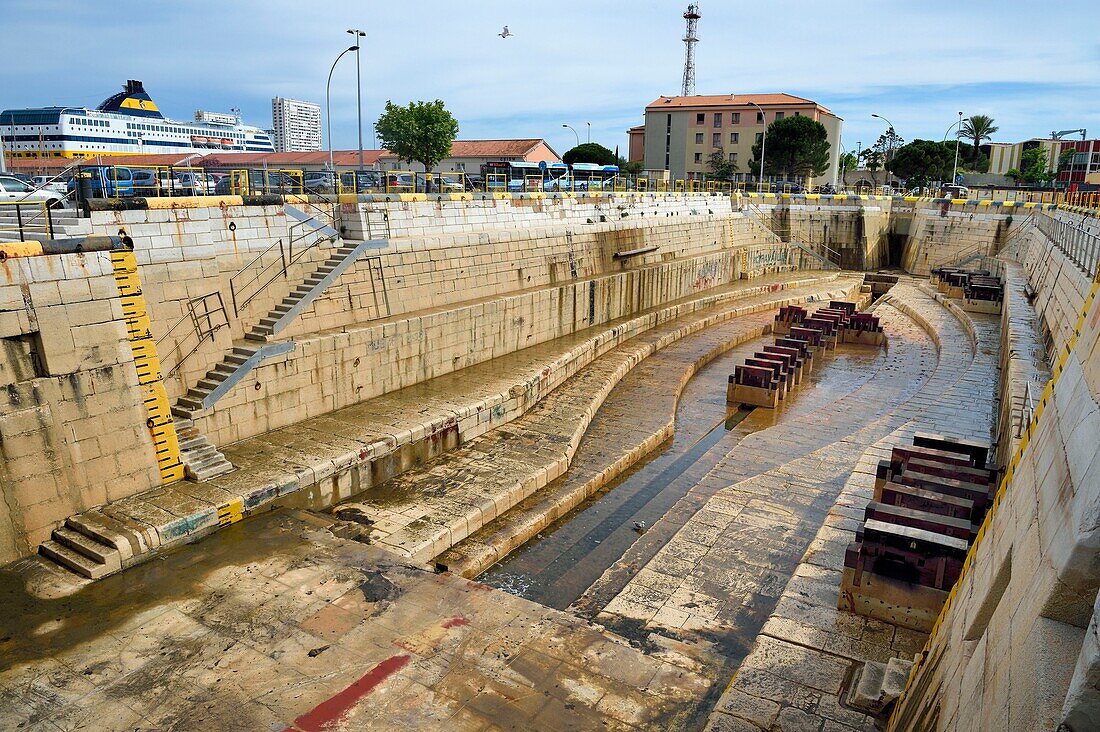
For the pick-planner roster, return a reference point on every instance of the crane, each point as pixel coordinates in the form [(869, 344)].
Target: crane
[(1063, 133)]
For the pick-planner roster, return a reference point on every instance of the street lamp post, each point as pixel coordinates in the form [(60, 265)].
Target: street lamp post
[(328, 102), (589, 131), (574, 134), (763, 141), (358, 88), (958, 136), (890, 149)]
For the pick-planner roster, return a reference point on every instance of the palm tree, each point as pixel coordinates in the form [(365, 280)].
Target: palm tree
[(977, 128)]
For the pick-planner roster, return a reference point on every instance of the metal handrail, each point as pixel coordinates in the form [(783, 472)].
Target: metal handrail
[(236, 287), (203, 326), (24, 227), (1027, 410), (1079, 245)]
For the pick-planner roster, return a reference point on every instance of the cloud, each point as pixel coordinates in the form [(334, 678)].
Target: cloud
[(572, 61)]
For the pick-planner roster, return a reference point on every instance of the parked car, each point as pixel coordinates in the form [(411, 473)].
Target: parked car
[(319, 181), (363, 181), (194, 183), (400, 181), (258, 183), (789, 187), (104, 181), (49, 182), (954, 192), (148, 182), (15, 189)]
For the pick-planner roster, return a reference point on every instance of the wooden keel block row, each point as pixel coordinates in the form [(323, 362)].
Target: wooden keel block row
[(805, 351), (753, 385), (787, 317), (927, 509)]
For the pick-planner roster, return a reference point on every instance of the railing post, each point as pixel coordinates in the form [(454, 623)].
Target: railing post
[(19, 220), (49, 220)]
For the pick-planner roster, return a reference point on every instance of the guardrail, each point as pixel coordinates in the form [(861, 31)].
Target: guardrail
[(1080, 245), (34, 218), (207, 316)]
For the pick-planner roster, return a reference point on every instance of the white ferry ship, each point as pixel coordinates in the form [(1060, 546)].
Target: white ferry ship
[(126, 123)]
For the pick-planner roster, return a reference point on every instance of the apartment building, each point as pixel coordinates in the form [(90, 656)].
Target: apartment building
[(297, 125), (681, 133)]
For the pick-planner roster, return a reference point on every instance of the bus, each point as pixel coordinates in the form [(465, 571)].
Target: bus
[(593, 176)]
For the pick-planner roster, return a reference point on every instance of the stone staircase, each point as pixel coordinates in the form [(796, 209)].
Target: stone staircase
[(259, 342), (86, 548), (201, 458), (304, 294)]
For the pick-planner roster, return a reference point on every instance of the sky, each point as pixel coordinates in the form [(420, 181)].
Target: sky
[(1033, 67)]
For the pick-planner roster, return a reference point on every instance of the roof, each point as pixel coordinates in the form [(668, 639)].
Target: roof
[(727, 100), (494, 148), (637, 128)]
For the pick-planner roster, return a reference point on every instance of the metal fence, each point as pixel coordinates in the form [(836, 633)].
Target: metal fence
[(1076, 242)]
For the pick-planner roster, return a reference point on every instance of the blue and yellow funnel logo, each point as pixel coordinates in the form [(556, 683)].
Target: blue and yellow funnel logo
[(132, 100)]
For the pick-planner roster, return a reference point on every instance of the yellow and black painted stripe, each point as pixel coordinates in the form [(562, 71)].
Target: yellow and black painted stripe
[(150, 379)]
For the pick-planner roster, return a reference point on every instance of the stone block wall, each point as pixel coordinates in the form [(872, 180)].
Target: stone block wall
[(855, 231), (940, 235), (422, 273), (188, 253), (1006, 651), (338, 368), (72, 421), (429, 218)]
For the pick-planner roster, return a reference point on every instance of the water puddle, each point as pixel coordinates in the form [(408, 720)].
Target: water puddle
[(557, 566)]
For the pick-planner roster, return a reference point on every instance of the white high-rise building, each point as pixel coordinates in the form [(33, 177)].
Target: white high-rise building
[(297, 125)]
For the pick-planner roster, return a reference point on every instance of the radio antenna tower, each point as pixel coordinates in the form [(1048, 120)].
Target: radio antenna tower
[(692, 17)]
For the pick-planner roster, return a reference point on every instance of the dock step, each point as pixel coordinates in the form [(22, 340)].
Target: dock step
[(72, 560)]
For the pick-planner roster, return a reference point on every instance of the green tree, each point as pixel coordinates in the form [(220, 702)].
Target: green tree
[(977, 128), (1034, 169), (795, 146), (872, 160), (975, 162), (421, 132), (589, 152), (848, 163), (720, 166), (923, 161), (628, 166), (1065, 160)]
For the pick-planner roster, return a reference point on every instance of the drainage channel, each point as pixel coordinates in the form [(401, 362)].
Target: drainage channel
[(557, 566)]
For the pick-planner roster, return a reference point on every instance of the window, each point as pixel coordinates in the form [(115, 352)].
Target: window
[(717, 119), (759, 137), (797, 114), (735, 118), (14, 185), (698, 157), (779, 115), (700, 118), (759, 117), (735, 137), (716, 139), (733, 157), (698, 138)]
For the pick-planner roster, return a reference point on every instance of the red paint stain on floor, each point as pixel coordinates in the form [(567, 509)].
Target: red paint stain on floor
[(328, 713), (456, 621)]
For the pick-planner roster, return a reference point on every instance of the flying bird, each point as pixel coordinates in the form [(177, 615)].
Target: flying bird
[(505, 33)]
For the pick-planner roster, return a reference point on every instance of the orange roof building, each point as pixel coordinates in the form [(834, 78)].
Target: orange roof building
[(680, 134)]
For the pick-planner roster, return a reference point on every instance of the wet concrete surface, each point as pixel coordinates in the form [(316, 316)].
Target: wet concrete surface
[(275, 624), (567, 557)]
